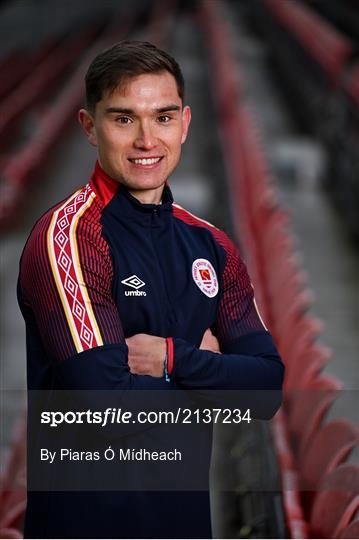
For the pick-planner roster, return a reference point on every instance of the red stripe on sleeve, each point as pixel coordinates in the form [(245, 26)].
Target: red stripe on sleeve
[(170, 359)]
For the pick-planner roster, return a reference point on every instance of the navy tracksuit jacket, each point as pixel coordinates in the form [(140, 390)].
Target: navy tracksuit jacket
[(99, 267)]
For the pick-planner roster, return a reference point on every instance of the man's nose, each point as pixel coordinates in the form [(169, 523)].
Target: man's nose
[(146, 138)]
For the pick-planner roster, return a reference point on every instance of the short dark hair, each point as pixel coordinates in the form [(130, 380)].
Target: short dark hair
[(124, 60)]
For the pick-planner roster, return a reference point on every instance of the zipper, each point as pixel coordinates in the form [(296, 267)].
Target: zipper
[(171, 311)]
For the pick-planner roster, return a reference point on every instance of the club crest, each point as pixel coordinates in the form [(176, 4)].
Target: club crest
[(205, 277)]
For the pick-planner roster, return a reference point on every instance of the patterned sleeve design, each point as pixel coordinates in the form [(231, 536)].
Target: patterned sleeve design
[(66, 278)]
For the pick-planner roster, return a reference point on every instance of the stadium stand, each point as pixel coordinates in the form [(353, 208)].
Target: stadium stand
[(316, 65), (254, 201), (342, 145)]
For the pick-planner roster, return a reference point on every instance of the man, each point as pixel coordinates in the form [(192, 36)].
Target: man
[(118, 286)]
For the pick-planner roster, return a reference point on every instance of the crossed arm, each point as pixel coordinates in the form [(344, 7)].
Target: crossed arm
[(146, 353), (248, 360)]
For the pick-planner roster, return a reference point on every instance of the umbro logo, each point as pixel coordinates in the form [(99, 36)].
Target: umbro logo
[(136, 283)]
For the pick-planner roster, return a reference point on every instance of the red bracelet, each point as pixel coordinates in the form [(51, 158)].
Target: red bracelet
[(170, 359)]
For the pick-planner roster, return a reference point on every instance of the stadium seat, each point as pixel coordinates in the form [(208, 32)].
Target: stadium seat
[(303, 335), (13, 481), (10, 533), (328, 449), (322, 41), (336, 503), (304, 365), (292, 313), (351, 531), (295, 283), (296, 524), (309, 406), (13, 518)]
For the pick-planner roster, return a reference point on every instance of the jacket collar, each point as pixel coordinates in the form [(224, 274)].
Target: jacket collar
[(106, 188)]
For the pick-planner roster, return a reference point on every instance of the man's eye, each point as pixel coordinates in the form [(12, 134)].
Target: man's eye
[(164, 118), (123, 120)]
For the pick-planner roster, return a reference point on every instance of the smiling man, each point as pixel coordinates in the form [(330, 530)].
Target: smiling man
[(121, 289), (138, 128)]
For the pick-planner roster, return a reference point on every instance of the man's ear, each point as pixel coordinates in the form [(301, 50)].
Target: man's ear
[(88, 125), (186, 120)]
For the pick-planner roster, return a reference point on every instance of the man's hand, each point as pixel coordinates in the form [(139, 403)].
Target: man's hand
[(146, 355), (209, 342)]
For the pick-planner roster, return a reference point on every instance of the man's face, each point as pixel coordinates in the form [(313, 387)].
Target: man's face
[(139, 130)]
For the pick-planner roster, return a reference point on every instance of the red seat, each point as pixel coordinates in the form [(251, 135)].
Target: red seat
[(305, 332), (10, 533), (283, 297), (309, 406), (304, 367), (328, 449), (322, 41), (336, 502), (292, 313), (13, 483), (14, 517), (296, 524), (351, 531)]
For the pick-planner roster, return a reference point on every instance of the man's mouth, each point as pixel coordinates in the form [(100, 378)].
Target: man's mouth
[(145, 161)]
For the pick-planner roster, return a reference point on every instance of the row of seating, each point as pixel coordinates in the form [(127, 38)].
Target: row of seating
[(326, 45), (304, 443), (343, 149), (43, 78), (343, 15), (317, 64), (19, 168), (16, 65)]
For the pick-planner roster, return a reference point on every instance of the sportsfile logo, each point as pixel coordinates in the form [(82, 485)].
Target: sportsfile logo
[(136, 283)]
